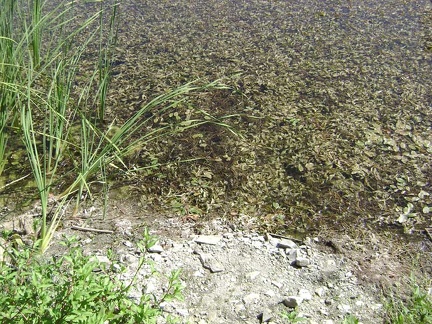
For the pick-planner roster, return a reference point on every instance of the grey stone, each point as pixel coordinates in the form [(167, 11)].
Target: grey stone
[(270, 293), (123, 227), (258, 238), (128, 258), (273, 241), (228, 236), (292, 301), (156, 257), (266, 316), (302, 262)]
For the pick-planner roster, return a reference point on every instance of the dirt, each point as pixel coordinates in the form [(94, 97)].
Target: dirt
[(247, 277)]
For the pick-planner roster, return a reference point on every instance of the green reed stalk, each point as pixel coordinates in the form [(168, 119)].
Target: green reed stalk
[(36, 33), (7, 73), (105, 57), (38, 167)]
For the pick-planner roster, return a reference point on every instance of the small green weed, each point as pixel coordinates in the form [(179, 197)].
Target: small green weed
[(350, 319), (417, 308), (292, 316), (73, 288)]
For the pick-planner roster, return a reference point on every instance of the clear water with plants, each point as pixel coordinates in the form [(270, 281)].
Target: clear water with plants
[(320, 115), (332, 99)]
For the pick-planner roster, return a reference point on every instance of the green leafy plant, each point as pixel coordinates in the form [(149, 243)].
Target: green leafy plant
[(72, 288), (292, 316), (350, 319)]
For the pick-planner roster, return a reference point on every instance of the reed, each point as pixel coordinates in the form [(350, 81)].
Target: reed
[(60, 122), (37, 102)]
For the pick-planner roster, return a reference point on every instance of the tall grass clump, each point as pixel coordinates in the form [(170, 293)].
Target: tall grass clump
[(57, 109)]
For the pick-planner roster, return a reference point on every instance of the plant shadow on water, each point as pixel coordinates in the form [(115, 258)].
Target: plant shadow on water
[(332, 101)]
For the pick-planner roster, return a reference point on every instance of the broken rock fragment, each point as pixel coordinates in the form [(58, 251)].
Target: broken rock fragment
[(209, 262)]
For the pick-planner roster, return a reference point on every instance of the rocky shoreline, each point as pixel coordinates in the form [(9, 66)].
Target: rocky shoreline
[(240, 277)]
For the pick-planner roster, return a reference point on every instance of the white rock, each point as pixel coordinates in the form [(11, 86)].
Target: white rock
[(320, 291), (208, 239), (252, 275), (150, 288), (156, 249), (198, 274), (182, 312), (156, 257), (210, 263), (270, 293), (128, 244), (376, 306), (305, 294), (176, 247), (101, 259), (291, 254), (344, 308), (273, 241), (286, 244), (228, 236), (251, 298), (302, 262), (266, 316), (238, 308), (277, 284), (117, 267), (257, 244)]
